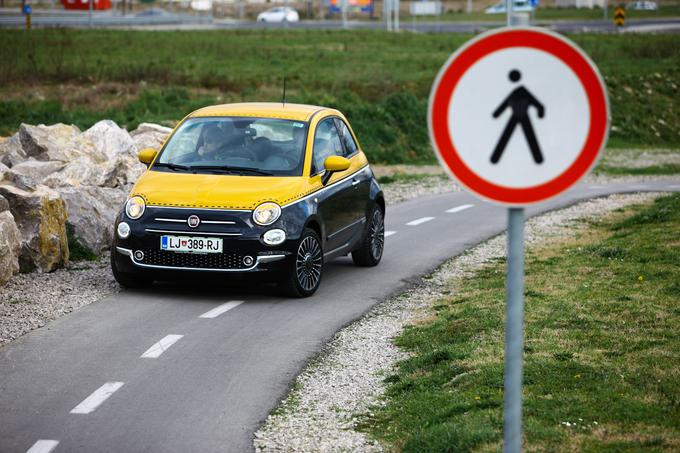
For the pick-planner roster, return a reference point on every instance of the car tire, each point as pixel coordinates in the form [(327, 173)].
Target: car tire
[(304, 275), (126, 279), (373, 244)]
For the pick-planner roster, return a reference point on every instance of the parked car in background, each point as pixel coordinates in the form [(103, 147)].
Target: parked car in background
[(517, 6), (643, 6), (279, 14), (265, 189)]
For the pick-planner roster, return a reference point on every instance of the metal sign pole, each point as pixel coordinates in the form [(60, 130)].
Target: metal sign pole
[(514, 333), (344, 13)]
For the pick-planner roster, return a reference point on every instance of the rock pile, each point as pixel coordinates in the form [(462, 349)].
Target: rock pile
[(55, 179)]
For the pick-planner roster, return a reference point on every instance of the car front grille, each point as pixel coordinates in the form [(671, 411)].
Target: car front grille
[(223, 260)]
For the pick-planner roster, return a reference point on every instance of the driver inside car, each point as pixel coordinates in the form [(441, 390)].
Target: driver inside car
[(213, 143)]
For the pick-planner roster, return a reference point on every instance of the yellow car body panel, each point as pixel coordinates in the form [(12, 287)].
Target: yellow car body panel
[(230, 191), (296, 112), (245, 192)]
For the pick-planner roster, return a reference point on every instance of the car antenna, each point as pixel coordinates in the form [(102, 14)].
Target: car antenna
[(283, 101)]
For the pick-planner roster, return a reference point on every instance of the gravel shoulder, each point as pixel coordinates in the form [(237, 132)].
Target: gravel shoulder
[(30, 301), (323, 410)]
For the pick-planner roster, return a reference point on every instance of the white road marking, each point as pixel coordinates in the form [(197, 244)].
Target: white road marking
[(389, 233), (419, 221), (215, 312), (596, 187), (459, 208), (159, 348), (43, 446), (674, 186), (639, 186), (100, 395)]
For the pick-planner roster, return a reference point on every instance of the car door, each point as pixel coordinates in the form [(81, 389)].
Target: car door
[(361, 180), (336, 200)]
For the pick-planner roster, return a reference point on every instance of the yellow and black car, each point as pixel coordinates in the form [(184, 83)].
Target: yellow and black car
[(278, 189)]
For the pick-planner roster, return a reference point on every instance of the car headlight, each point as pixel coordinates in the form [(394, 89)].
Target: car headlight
[(267, 213), (134, 208)]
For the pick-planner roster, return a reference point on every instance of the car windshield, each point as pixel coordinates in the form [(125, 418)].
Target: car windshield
[(236, 145)]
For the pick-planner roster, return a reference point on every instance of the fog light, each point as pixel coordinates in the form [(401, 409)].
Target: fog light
[(139, 255), (248, 260), (123, 230), (274, 237)]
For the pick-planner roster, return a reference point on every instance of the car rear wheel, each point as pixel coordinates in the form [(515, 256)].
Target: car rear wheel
[(304, 276), (127, 279), (373, 243)]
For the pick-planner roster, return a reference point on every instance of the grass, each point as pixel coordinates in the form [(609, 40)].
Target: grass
[(602, 361), (380, 81), (666, 169)]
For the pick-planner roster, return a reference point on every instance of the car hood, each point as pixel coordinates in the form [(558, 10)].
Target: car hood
[(218, 191)]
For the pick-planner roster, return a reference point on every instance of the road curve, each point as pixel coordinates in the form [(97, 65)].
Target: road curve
[(175, 369)]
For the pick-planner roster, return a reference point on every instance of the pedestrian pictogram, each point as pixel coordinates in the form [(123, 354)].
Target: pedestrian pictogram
[(518, 115), (519, 102), (619, 16)]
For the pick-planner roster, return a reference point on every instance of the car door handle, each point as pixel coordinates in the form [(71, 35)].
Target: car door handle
[(355, 182)]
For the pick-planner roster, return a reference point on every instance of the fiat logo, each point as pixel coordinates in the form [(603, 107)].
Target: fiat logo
[(193, 221)]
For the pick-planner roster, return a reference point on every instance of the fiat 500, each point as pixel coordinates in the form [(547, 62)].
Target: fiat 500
[(275, 189)]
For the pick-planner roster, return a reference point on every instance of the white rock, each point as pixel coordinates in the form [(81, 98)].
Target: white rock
[(91, 214), (37, 170), (110, 140), (149, 135), (77, 172), (11, 152), (4, 170), (153, 140), (58, 142), (151, 127)]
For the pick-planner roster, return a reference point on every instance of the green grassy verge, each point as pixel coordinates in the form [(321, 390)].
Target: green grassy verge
[(602, 351), (667, 169), (380, 80)]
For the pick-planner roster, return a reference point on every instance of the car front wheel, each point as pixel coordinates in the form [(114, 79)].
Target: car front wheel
[(304, 275)]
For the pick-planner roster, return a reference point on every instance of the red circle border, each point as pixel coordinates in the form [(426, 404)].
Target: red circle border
[(562, 49)]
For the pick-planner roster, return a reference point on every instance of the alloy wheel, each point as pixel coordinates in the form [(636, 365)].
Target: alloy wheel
[(377, 235), (308, 263)]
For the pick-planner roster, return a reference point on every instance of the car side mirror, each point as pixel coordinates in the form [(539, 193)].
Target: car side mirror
[(334, 164), (147, 155)]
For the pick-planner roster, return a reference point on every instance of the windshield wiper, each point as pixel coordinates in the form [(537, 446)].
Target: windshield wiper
[(227, 168), (171, 166)]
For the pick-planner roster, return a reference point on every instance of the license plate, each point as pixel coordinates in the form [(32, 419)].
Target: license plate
[(191, 244)]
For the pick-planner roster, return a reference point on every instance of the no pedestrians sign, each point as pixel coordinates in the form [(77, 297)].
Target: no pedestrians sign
[(518, 115)]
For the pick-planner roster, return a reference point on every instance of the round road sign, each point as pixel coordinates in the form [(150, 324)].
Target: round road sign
[(518, 115)]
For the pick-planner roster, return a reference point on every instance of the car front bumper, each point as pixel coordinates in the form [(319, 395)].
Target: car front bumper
[(243, 250)]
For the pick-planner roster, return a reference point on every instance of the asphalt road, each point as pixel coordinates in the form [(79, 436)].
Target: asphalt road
[(93, 381), (181, 21)]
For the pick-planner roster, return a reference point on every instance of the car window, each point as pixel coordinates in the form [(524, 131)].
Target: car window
[(236, 144), (326, 143), (346, 138)]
